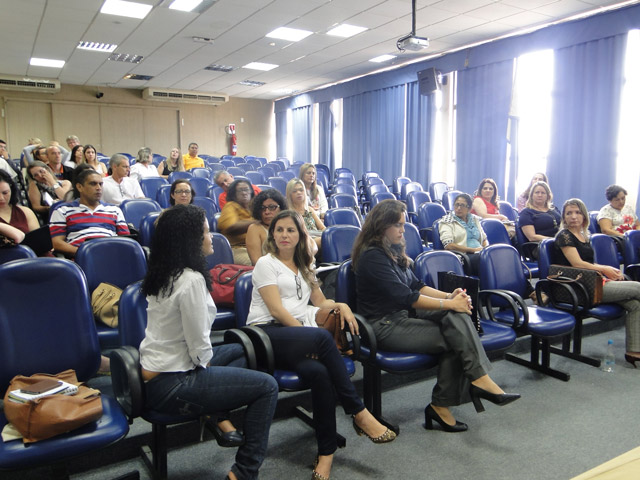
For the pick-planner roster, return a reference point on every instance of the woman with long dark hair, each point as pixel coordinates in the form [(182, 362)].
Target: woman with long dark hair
[(283, 284), (408, 316), (183, 374)]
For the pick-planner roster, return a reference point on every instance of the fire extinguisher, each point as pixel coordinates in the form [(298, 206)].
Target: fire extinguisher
[(233, 140)]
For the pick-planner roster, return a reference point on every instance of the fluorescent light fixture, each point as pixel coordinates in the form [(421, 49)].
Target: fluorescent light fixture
[(46, 62), (125, 57), (382, 58), (345, 30), (284, 91), (126, 9), (251, 83), (291, 34), (185, 5), (265, 67), (97, 46)]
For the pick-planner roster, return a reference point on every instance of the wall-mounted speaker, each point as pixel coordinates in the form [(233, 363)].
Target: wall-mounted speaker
[(428, 81)]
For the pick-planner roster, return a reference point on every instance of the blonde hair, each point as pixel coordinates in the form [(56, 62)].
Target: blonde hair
[(314, 185), (583, 211), (290, 186), (545, 185)]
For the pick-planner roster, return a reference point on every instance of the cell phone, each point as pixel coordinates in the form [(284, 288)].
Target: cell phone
[(42, 386)]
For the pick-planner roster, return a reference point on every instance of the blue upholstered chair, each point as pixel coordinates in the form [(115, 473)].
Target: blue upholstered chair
[(150, 186), (147, 227), (508, 211), (342, 216), (505, 283), (398, 182), (347, 188), (222, 253), (409, 187), (632, 254), (236, 171), (119, 261), (324, 168), (256, 178), (437, 191), (210, 207), (163, 196), (337, 242), (173, 176), (135, 209), (376, 198), (428, 214), (343, 200), (16, 253), (374, 360), (200, 172), (279, 184), (278, 165), (287, 175), (53, 334), (414, 200), (448, 199), (605, 250), (414, 245), (201, 185), (268, 171)]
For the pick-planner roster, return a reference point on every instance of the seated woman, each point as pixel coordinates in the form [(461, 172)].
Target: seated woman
[(266, 205), (573, 247), (617, 217), (181, 192), (235, 219), (485, 204), (523, 198), (297, 201), (173, 163), (283, 284), (77, 156), (143, 167), (540, 219), (461, 232), (91, 157), (315, 193), (44, 188), (408, 316), (183, 374), (12, 214)]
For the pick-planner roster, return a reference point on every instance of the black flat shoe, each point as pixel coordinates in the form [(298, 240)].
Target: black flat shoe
[(430, 414), (497, 398), (228, 439), (632, 359)]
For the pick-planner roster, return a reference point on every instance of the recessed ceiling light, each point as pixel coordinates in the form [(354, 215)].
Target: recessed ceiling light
[(291, 34), (125, 57), (126, 9), (219, 68), (135, 76), (346, 30), (251, 83), (265, 67), (284, 91), (97, 46), (382, 58), (46, 62), (184, 5)]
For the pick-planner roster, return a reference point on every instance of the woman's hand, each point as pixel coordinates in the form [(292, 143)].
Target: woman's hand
[(455, 293), (346, 316), (612, 273), (460, 303), (502, 218), (48, 179), (477, 249)]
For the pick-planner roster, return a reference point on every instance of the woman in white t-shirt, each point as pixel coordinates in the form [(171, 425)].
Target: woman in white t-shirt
[(283, 284)]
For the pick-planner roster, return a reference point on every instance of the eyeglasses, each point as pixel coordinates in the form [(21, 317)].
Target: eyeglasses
[(242, 190), (271, 208), (460, 205), (182, 192), (298, 288)]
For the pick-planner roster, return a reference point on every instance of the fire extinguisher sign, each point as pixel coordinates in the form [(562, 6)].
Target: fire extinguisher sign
[(233, 140)]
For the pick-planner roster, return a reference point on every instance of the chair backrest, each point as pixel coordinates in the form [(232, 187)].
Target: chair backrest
[(508, 211), (337, 242), (262, 160), (415, 199), (227, 163), (286, 174), (210, 207), (435, 236), (632, 247), (200, 172), (346, 285), (342, 216), (50, 329), (343, 200), (594, 226), (255, 163), (163, 196), (16, 253), (375, 188), (320, 167), (147, 227), (413, 240), (173, 176), (279, 184), (347, 179), (495, 231), (342, 170), (242, 298), (545, 256), (323, 180), (268, 171), (374, 181), (409, 187), (213, 168), (605, 251), (256, 178), (278, 165), (222, 252), (377, 197), (235, 171), (135, 209), (345, 188), (246, 167), (214, 193), (116, 260), (428, 213), (132, 315), (448, 198), (150, 186), (397, 184), (437, 190), (200, 185), (501, 268), (428, 264)]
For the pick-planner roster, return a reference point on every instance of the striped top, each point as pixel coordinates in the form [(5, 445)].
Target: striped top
[(77, 222)]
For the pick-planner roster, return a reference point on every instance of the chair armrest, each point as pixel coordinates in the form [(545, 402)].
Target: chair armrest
[(526, 249), (413, 217), (354, 339), (126, 380), (367, 338), (515, 302), (544, 285), (235, 335), (263, 348), (426, 234), (633, 271)]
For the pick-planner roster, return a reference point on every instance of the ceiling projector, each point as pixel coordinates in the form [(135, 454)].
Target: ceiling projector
[(411, 42)]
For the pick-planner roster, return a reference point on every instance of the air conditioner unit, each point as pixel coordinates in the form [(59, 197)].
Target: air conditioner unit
[(184, 96), (26, 84)]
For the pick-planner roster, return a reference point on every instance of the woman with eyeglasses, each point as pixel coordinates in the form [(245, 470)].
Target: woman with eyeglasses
[(540, 219), (235, 219), (181, 192), (266, 205), (283, 285)]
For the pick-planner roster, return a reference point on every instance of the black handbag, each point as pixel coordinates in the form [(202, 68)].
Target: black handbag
[(449, 281), (587, 285)]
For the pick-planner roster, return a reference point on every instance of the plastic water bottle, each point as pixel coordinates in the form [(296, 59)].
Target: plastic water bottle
[(609, 361)]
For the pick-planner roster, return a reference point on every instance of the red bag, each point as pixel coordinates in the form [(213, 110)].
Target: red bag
[(223, 282)]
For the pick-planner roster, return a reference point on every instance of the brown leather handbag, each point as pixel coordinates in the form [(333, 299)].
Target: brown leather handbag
[(51, 415), (329, 319), (591, 281)]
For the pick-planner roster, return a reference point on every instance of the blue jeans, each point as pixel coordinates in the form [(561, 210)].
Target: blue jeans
[(221, 387), (293, 347)]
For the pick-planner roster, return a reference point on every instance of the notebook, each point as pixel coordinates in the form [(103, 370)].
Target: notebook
[(64, 388)]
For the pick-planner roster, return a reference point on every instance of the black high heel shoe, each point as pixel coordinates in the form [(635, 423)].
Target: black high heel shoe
[(497, 398), (228, 439), (430, 414), (632, 359)]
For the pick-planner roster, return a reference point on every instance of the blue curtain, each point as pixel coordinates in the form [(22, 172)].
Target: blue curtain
[(510, 194), (484, 99), (325, 143), (421, 125), (281, 133), (584, 124), (373, 132), (302, 119)]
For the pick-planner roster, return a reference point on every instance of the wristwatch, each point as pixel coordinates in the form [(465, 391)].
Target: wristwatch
[(57, 185)]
